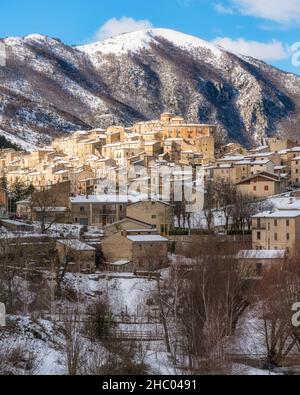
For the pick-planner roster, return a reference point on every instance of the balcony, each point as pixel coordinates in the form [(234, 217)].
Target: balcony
[(258, 225)]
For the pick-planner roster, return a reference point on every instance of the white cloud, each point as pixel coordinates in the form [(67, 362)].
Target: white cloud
[(281, 11), (272, 51), (222, 9), (115, 26)]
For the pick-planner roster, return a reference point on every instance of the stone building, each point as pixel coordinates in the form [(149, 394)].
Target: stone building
[(262, 184), (98, 210), (254, 264), (279, 230), (295, 170), (145, 251), (128, 224), (3, 202), (277, 144), (201, 136), (79, 257), (156, 213)]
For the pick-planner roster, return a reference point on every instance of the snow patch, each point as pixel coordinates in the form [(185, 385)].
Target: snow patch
[(137, 41)]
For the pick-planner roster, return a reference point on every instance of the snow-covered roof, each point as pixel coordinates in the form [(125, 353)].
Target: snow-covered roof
[(283, 151), (147, 238), (243, 163), (261, 155), (83, 199), (261, 162), (120, 263), (262, 254), (234, 158), (265, 174), (51, 209), (279, 214), (135, 221), (258, 149), (76, 245), (12, 222), (220, 166), (295, 149)]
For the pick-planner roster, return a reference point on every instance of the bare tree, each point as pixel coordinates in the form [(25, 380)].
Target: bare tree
[(226, 195), (245, 207), (13, 262), (74, 346), (279, 290), (42, 205), (210, 298), (210, 203)]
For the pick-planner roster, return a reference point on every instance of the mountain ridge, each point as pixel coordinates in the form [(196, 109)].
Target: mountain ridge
[(49, 88)]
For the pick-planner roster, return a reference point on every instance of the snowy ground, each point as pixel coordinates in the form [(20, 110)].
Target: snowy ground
[(129, 294), (125, 293)]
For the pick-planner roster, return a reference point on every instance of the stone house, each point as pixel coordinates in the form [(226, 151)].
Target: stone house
[(254, 264), (98, 210), (262, 185), (156, 213), (279, 230), (80, 257), (127, 224), (144, 251)]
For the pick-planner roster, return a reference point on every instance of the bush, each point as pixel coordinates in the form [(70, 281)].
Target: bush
[(101, 320), (239, 232), (179, 232)]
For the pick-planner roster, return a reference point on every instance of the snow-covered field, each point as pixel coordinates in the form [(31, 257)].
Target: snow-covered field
[(126, 295)]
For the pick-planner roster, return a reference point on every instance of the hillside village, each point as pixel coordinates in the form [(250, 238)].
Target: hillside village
[(114, 179), (132, 204)]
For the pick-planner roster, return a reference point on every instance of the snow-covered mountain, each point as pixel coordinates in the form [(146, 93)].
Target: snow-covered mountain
[(48, 88)]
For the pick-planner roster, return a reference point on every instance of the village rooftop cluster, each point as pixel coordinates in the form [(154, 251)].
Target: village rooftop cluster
[(83, 180)]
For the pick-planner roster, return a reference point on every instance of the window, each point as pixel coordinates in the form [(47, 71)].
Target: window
[(259, 269), (287, 222), (258, 223), (82, 209), (275, 222), (275, 236), (254, 188), (154, 216), (266, 188), (258, 236), (288, 236)]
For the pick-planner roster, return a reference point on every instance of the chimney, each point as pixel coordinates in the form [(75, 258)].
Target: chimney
[(124, 232)]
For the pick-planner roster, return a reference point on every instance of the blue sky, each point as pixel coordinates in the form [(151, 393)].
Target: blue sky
[(262, 28)]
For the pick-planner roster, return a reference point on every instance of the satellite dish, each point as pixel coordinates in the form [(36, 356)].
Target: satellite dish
[(2, 315)]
